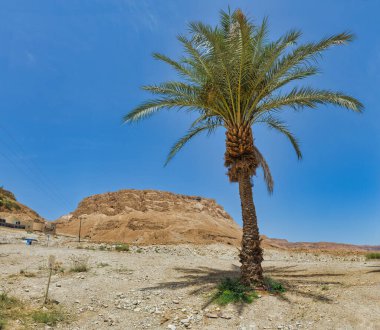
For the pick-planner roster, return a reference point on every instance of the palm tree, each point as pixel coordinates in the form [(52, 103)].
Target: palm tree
[(233, 77)]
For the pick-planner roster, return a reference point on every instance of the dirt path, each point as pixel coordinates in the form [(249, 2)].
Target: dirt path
[(169, 288)]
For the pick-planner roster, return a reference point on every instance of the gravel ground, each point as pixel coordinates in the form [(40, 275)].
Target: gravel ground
[(169, 287)]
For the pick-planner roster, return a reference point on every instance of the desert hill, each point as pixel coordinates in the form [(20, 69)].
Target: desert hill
[(157, 217), (11, 209), (151, 217), (284, 244)]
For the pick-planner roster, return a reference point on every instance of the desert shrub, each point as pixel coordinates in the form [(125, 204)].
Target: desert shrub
[(373, 256), (12, 309), (6, 301), (26, 273), (8, 204), (232, 291), (79, 264), (273, 285), (58, 268), (9, 308), (122, 247), (50, 317)]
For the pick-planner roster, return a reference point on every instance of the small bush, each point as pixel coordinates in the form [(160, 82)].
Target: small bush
[(373, 256), (2, 323), (27, 274), (232, 291), (12, 309), (79, 264), (49, 317), (9, 309), (122, 247), (273, 285), (58, 268), (6, 301)]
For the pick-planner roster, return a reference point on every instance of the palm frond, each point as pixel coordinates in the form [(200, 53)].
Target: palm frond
[(267, 174), (208, 126), (280, 126), (151, 107), (308, 97)]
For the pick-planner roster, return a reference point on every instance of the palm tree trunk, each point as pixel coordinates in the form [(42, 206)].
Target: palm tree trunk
[(251, 254)]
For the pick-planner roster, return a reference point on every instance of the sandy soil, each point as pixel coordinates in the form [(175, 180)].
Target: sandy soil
[(168, 287)]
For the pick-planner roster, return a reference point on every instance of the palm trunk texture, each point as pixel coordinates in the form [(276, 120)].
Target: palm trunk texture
[(241, 161), (251, 254)]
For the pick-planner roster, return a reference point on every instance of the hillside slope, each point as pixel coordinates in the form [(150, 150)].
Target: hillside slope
[(11, 209), (151, 217)]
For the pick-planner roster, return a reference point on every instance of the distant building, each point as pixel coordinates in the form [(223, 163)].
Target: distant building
[(31, 225)]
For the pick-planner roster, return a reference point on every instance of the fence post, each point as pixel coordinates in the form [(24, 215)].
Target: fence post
[(50, 265)]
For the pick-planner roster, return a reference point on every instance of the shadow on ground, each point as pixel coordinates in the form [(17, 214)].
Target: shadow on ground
[(203, 280)]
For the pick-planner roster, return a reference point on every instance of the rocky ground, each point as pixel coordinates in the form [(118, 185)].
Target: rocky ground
[(169, 287)]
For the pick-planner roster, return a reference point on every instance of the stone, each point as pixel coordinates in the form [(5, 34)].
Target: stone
[(225, 316)]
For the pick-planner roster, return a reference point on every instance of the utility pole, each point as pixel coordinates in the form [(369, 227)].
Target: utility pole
[(80, 227)]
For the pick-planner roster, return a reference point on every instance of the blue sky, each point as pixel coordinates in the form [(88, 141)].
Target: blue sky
[(69, 71)]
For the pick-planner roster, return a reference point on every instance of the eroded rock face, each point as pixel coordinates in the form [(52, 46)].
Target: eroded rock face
[(11, 209), (151, 217)]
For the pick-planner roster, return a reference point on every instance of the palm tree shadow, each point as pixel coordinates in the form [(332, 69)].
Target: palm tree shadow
[(295, 279), (374, 271), (203, 280)]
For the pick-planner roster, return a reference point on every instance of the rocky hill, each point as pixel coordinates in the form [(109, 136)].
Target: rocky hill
[(157, 217), (11, 209), (151, 217)]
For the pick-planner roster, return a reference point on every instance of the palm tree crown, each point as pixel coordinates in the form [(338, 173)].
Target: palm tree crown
[(234, 77)]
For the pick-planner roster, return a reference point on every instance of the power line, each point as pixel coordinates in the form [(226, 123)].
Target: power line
[(30, 170)]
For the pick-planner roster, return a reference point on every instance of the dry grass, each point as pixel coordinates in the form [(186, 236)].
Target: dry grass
[(48, 316), (13, 309), (79, 264)]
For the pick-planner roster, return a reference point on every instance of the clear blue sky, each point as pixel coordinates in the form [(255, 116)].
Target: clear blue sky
[(69, 70)]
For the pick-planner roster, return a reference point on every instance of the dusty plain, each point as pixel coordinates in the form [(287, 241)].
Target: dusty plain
[(169, 287)]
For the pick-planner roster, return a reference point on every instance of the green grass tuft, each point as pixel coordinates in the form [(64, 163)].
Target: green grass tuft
[(373, 256), (12, 309), (49, 317), (79, 268), (2, 323), (79, 264), (122, 247), (273, 285), (9, 309), (232, 291)]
